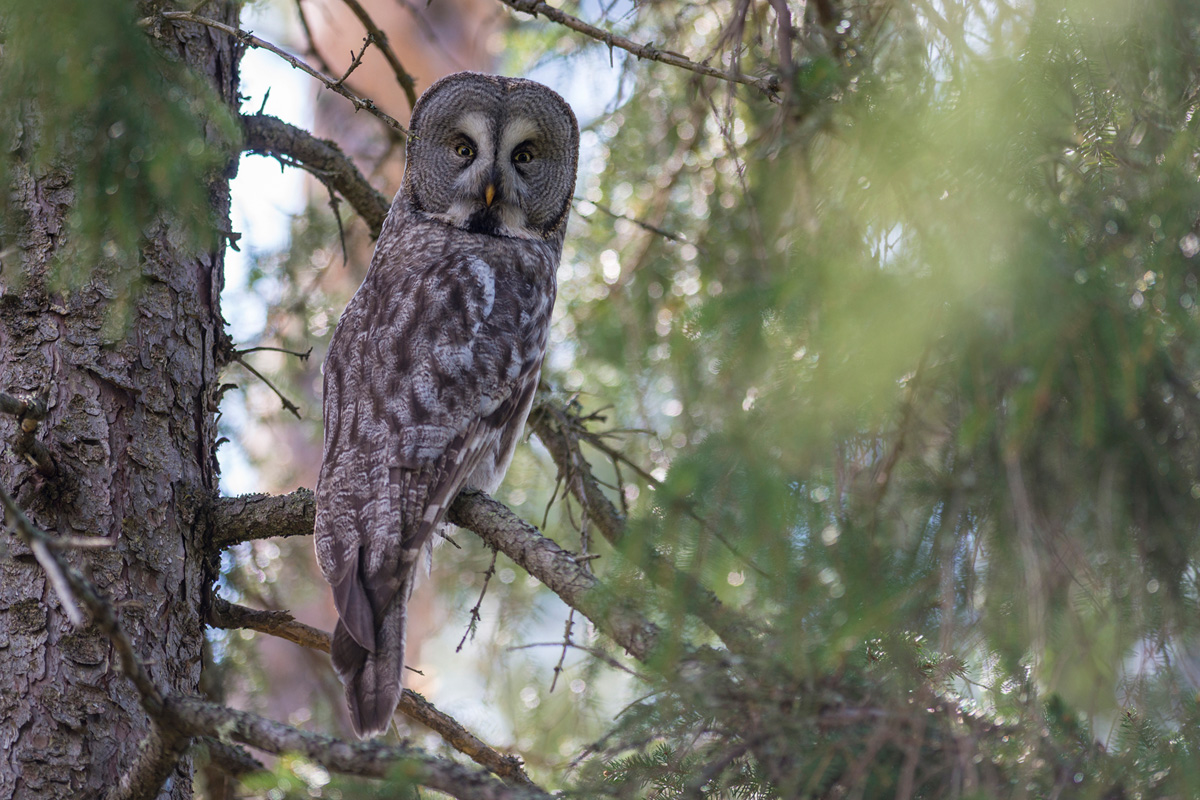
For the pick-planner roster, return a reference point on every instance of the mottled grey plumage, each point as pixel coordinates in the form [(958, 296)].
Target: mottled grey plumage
[(433, 366)]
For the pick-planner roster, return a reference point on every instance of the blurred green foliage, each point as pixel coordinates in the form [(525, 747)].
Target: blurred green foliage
[(903, 367), (922, 347), (88, 101)]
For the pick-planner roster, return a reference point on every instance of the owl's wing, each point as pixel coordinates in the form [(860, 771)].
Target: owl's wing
[(427, 372)]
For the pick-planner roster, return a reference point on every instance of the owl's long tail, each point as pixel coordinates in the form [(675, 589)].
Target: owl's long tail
[(372, 680)]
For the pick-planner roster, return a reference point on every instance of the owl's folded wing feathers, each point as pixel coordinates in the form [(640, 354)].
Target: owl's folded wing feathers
[(418, 396)]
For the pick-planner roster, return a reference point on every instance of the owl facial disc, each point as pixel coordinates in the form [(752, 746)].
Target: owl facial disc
[(492, 156)]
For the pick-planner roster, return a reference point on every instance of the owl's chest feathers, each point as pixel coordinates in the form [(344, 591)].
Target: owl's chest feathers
[(472, 280)]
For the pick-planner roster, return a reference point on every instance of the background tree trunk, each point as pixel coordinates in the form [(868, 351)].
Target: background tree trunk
[(132, 385)]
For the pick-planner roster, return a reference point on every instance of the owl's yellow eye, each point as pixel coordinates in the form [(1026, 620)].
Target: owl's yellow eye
[(465, 150), (522, 157)]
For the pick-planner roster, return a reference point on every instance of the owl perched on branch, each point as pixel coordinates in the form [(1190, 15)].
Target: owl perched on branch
[(434, 364)]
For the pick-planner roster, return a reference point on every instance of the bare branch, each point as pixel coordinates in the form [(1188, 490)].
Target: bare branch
[(197, 717), (224, 614), (355, 61), (416, 707), (380, 38), (646, 226), (59, 581), (322, 158), (250, 40), (261, 517), (287, 404), (558, 569), (768, 86), (302, 356)]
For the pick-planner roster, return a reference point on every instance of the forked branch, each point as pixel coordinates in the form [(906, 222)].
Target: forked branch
[(250, 40)]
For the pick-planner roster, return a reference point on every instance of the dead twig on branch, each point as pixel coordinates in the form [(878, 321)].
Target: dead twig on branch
[(287, 404), (250, 40), (381, 41), (768, 86), (475, 610), (29, 411), (266, 349), (320, 157), (355, 61)]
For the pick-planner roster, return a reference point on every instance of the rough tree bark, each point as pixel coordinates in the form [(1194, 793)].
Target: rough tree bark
[(131, 427)]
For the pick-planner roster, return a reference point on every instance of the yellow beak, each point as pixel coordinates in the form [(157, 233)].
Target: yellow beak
[(489, 194)]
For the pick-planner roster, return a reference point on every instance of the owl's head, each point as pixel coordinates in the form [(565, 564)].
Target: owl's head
[(493, 155)]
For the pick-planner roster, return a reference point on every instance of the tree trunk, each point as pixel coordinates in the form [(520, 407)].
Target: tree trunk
[(131, 427)]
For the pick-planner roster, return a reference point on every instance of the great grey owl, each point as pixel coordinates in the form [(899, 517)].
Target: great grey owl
[(432, 369)]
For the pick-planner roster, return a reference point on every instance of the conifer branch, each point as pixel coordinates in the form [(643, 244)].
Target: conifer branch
[(564, 573), (554, 428), (197, 717), (250, 40), (768, 86), (320, 157), (224, 614)]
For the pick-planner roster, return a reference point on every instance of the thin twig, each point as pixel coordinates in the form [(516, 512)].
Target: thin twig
[(37, 540), (674, 237), (263, 348), (355, 60), (288, 404), (562, 657), (475, 614), (250, 40), (594, 652), (335, 207), (768, 86), (402, 77)]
